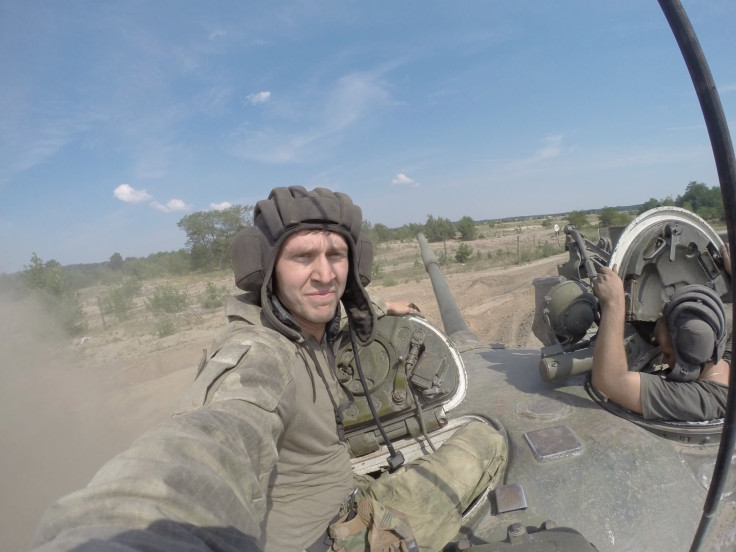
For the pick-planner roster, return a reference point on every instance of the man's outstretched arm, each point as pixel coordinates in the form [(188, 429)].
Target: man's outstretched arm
[(611, 373)]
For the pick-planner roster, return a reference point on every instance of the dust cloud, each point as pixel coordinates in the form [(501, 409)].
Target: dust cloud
[(63, 414)]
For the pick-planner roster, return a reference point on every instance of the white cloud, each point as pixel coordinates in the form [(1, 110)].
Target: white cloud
[(355, 96), (217, 33), (552, 147), (128, 194), (173, 205), (259, 97), (220, 206), (402, 180), (315, 125)]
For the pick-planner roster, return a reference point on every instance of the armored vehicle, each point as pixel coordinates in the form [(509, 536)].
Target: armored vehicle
[(582, 473)]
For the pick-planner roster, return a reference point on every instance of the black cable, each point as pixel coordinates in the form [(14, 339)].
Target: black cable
[(396, 459), (720, 140), (422, 425)]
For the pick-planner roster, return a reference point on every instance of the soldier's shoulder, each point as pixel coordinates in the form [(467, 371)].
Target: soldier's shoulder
[(250, 363)]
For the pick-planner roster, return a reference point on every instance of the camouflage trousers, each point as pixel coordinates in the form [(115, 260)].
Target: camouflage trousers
[(419, 507)]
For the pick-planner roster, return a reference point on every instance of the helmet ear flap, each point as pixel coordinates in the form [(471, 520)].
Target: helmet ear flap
[(698, 302), (246, 250), (365, 260)]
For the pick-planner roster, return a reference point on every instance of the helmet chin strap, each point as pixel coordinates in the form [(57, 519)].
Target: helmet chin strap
[(395, 459)]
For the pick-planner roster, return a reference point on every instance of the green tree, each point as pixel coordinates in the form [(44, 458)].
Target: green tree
[(209, 234), (53, 287), (468, 230), (45, 276), (577, 218), (438, 229), (116, 262), (702, 200), (409, 232), (651, 203), (608, 216), (382, 232)]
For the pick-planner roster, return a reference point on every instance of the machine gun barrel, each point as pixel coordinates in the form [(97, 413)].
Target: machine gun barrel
[(452, 320)]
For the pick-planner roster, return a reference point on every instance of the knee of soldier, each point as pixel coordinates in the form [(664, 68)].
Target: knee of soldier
[(480, 440)]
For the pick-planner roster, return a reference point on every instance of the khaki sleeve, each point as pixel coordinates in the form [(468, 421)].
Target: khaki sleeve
[(379, 305), (198, 481)]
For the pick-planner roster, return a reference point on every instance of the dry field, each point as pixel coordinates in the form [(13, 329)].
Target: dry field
[(69, 406)]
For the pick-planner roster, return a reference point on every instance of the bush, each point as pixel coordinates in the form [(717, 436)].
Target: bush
[(377, 270), (165, 327), (119, 300), (541, 251), (213, 297), (68, 311), (463, 253), (167, 299), (578, 219)]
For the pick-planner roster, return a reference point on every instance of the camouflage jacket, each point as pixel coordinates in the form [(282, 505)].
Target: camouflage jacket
[(251, 461)]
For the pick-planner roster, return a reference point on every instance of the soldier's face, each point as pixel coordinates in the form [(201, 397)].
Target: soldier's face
[(310, 276)]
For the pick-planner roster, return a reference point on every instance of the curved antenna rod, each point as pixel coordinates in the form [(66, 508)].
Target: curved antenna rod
[(720, 140)]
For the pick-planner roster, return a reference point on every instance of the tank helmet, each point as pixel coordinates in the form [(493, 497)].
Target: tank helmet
[(696, 319), (254, 250)]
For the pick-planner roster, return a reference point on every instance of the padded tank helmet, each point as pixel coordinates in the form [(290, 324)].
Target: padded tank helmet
[(287, 210), (696, 319)]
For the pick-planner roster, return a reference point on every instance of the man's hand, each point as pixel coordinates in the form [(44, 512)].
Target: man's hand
[(726, 254), (400, 308), (610, 366), (609, 287)]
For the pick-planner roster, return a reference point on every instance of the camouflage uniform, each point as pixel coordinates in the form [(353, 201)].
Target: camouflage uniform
[(253, 460)]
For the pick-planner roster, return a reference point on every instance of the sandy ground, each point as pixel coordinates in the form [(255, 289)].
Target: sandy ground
[(68, 407)]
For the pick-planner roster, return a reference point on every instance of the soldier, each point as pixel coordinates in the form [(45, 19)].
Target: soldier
[(692, 336), (254, 459)]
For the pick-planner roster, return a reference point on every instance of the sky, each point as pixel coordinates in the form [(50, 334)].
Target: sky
[(119, 118)]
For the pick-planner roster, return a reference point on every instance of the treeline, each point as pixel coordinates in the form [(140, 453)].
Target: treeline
[(699, 198), (209, 234), (435, 230)]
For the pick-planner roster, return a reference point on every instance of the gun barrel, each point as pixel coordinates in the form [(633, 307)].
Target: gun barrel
[(452, 320)]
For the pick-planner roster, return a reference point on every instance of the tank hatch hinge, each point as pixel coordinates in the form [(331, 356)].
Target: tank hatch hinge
[(674, 232), (425, 368), (709, 264)]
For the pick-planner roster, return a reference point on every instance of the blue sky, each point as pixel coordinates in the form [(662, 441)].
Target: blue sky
[(118, 118)]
